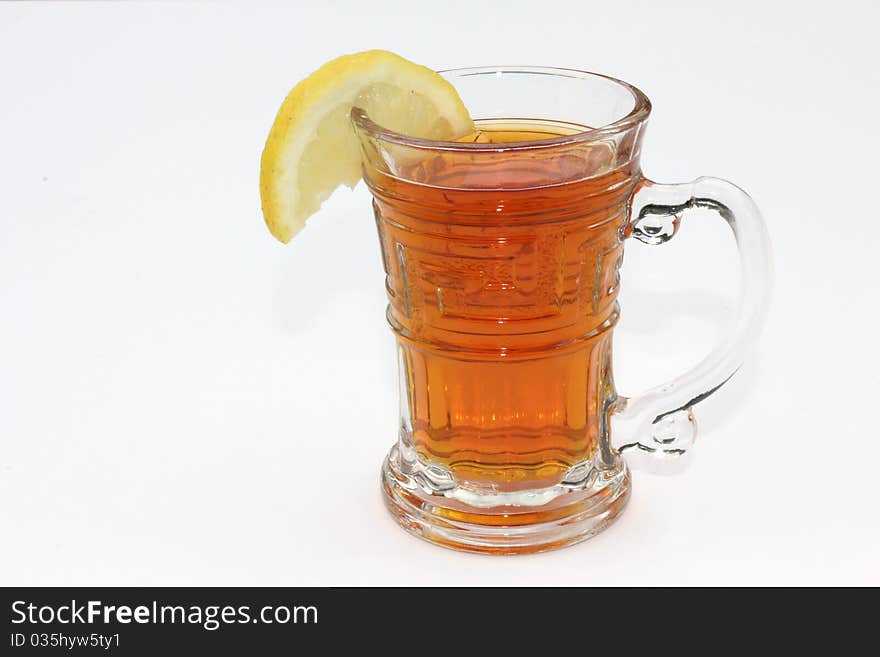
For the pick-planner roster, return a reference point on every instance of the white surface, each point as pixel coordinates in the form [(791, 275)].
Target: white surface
[(185, 401)]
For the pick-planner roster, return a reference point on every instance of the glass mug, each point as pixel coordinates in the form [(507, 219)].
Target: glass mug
[(502, 254)]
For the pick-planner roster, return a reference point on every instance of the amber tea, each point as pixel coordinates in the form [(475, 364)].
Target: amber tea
[(502, 284)]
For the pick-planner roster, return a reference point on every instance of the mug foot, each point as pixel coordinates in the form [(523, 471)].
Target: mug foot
[(521, 522)]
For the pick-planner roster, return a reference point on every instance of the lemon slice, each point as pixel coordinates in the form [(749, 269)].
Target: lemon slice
[(312, 147)]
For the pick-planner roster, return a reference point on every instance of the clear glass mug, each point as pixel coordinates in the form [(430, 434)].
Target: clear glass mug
[(502, 259)]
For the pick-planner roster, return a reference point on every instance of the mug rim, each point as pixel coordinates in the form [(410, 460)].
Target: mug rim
[(639, 113)]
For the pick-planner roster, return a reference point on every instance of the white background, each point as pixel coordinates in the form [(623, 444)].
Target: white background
[(183, 400)]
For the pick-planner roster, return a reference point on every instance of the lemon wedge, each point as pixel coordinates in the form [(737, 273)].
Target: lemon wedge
[(312, 148)]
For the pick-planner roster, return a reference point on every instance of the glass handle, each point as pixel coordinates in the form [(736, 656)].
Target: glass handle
[(655, 430)]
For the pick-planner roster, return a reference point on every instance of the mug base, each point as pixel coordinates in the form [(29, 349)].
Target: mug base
[(567, 514)]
